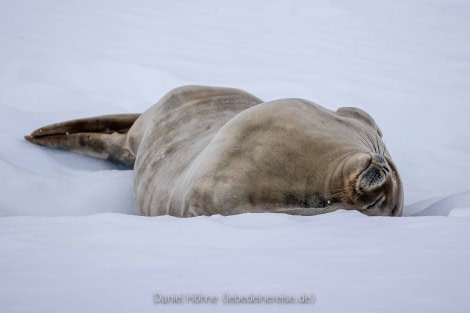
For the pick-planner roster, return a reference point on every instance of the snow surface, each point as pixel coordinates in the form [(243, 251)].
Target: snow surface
[(69, 237)]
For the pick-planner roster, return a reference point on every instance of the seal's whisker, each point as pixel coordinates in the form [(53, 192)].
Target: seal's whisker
[(364, 140), (366, 143), (340, 192), (373, 143), (344, 189), (370, 142), (378, 144)]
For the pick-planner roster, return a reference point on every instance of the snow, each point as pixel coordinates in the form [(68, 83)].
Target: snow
[(115, 262), (70, 239)]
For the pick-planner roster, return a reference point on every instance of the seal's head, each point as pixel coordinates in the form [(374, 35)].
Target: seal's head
[(372, 185)]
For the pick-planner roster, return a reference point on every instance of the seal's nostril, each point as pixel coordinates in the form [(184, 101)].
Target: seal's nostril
[(372, 177)]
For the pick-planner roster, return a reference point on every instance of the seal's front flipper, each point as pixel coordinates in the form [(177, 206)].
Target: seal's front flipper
[(103, 137)]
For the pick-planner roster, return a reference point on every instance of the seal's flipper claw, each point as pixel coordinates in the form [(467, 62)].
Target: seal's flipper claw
[(29, 138)]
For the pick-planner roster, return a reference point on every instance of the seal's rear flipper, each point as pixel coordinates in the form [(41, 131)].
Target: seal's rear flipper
[(103, 137)]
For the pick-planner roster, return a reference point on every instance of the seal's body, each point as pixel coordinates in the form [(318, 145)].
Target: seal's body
[(206, 150)]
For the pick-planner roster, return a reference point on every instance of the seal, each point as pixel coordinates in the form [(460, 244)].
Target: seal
[(210, 150)]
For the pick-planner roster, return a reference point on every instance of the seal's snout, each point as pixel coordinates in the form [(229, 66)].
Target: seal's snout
[(376, 187), (375, 174), (372, 177)]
